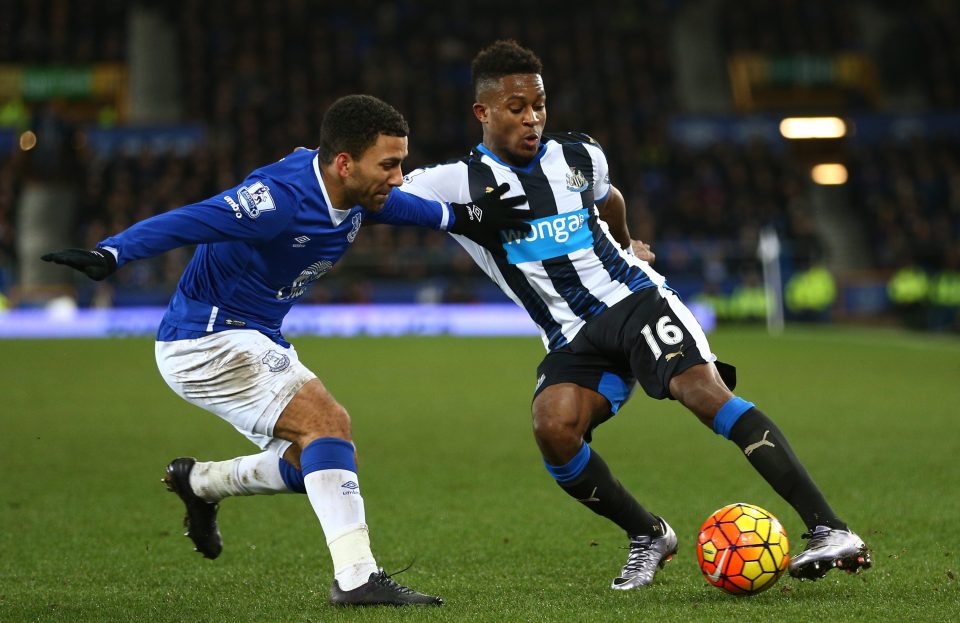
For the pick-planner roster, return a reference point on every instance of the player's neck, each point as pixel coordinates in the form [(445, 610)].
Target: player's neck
[(335, 188), (507, 158)]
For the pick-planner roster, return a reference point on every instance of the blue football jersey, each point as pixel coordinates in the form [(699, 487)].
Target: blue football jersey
[(259, 246)]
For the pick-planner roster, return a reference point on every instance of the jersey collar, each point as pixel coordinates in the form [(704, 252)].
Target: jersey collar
[(543, 148), (336, 216)]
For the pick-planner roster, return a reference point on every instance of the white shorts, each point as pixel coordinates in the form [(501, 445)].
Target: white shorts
[(241, 375)]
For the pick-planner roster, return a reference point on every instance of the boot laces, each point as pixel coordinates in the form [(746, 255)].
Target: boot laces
[(642, 556)]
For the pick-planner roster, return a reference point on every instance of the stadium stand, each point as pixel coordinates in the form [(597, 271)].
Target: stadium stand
[(256, 76)]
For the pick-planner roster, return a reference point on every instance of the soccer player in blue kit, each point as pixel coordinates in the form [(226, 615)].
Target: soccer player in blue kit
[(607, 319), (260, 246)]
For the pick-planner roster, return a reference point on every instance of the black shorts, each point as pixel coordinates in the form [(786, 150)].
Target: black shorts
[(649, 337)]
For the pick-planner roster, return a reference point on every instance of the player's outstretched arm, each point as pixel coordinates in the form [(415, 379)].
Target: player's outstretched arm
[(481, 219), (98, 264)]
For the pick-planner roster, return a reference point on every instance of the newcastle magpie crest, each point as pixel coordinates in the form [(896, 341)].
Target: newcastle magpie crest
[(576, 182)]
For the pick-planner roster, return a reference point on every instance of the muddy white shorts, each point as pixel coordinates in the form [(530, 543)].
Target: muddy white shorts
[(242, 376)]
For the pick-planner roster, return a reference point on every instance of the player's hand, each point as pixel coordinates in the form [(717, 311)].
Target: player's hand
[(97, 264), (483, 219), (642, 250)]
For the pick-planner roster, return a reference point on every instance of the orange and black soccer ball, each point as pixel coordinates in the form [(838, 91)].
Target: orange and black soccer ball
[(742, 549)]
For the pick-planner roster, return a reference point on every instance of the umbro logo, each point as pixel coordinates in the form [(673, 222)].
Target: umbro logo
[(300, 241), (351, 488)]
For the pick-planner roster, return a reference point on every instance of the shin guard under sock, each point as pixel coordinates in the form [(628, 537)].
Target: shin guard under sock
[(587, 479), (767, 449), (330, 478)]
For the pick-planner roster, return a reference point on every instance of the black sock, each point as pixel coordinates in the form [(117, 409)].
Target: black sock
[(598, 490), (770, 454)]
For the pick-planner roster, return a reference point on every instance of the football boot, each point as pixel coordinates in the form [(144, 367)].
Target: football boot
[(381, 590), (201, 518), (830, 548), (647, 554)]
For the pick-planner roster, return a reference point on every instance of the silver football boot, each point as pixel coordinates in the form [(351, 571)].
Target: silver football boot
[(830, 548), (646, 555)]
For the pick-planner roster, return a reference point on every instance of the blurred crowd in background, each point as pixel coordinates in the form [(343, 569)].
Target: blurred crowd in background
[(257, 77)]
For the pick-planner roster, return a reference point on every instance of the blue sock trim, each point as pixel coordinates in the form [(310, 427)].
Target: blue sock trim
[(327, 453), (566, 473), (728, 415), (292, 477)]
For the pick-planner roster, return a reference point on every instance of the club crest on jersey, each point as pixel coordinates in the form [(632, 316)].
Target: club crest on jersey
[(357, 220), (255, 199), (275, 362), (576, 181), (549, 237), (309, 275)]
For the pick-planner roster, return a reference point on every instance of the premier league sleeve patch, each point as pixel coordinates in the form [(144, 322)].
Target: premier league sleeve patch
[(255, 199)]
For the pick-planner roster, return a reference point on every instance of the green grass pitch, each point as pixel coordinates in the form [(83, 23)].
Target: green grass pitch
[(452, 479)]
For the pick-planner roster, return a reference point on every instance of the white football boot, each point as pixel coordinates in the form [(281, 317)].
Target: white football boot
[(647, 554), (830, 548)]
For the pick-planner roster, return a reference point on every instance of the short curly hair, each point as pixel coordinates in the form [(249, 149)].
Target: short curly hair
[(353, 123), (499, 59)]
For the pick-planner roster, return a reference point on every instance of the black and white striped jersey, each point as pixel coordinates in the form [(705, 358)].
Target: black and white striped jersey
[(568, 268)]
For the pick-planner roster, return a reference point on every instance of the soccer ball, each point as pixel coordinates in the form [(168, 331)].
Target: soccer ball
[(742, 549)]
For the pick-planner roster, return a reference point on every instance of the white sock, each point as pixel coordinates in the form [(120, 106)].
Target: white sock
[(335, 497), (258, 474)]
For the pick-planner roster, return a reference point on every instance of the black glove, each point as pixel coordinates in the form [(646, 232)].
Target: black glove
[(97, 264), (483, 219)]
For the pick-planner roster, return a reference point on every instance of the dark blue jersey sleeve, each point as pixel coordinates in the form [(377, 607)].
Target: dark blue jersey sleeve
[(255, 211), (408, 209)]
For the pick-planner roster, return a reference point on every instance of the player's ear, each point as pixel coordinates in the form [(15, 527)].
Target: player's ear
[(343, 163), (481, 111)]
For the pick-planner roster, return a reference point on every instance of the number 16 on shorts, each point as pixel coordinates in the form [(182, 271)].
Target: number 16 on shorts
[(669, 335)]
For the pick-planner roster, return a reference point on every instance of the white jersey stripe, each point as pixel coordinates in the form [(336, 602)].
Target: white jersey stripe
[(689, 322), (213, 317)]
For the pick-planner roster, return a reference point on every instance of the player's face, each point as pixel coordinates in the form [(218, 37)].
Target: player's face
[(513, 113), (376, 172)]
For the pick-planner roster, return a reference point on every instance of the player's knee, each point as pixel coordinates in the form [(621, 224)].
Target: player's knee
[(700, 390), (338, 424), (331, 422), (555, 434)]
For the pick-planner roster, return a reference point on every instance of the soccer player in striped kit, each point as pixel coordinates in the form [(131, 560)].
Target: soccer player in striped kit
[(607, 319)]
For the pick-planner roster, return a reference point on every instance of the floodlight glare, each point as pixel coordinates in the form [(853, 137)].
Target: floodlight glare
[(829, 174), (28, 140), (813, 127)]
